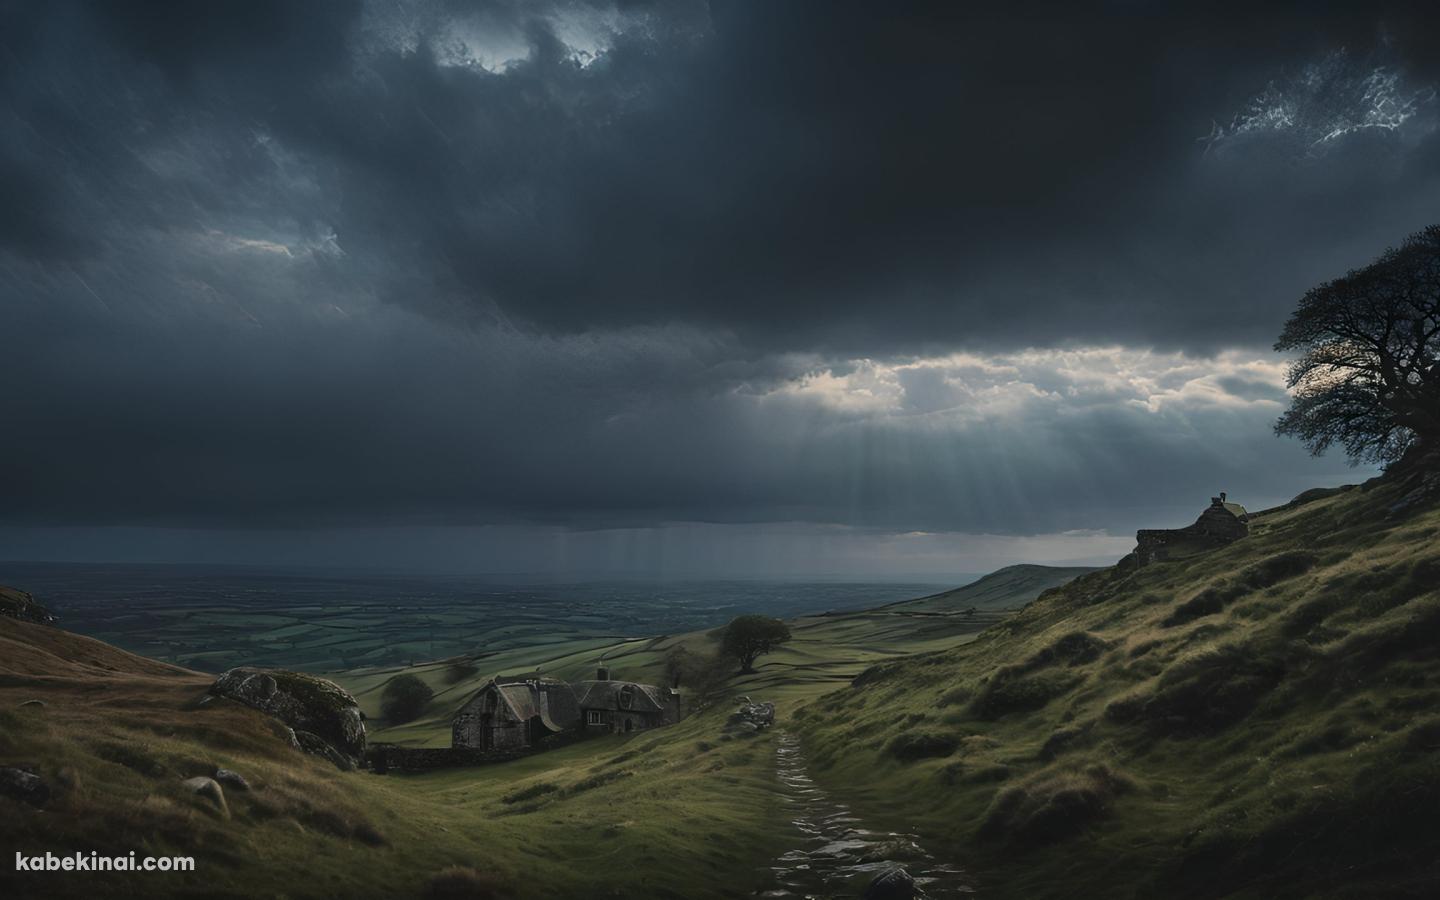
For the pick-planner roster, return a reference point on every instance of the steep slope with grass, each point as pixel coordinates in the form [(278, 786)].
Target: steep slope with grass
[(1259, 721)]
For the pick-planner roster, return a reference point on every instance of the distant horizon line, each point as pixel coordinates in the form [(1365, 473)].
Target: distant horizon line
[(330, 569)]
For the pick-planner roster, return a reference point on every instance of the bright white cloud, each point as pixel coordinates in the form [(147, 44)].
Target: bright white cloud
[(963, 389)]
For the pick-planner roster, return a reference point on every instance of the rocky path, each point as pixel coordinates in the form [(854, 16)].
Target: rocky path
[(839, 856)]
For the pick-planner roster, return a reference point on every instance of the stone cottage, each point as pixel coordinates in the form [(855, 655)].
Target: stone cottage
[(520, 713), (1221, 523)]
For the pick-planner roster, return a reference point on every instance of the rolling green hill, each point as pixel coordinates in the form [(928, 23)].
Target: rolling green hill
[(1008, 588), (1259, 721)]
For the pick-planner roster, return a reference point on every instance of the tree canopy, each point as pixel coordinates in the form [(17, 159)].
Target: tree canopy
[(747, 637), (1366, 377), (404, 698)]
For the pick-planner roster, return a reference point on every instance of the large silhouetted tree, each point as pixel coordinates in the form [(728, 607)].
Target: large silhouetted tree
[(1367, 377)]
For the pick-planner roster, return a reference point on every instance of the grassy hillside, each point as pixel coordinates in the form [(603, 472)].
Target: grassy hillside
[(676, 813), (1260, 721), (1007, 588)]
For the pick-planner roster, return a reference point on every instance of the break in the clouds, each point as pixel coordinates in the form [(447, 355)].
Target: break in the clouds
[(930, 278)]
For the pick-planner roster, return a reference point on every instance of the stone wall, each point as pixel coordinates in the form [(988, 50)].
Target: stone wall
[(385, 758)]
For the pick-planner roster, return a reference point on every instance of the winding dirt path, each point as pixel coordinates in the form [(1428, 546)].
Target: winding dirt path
[(839, 855)]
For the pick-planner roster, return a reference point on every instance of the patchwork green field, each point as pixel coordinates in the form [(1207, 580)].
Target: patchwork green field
[(215, 619)]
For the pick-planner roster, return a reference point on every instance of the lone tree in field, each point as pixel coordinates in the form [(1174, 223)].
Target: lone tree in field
[(747, 637), (1367, 376), (404, 698)]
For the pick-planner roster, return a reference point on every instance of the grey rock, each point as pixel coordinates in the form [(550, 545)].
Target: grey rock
[(315, 745), (209, 789), (751, 716), (892, 884), (305, 703), (24, 785), (232, 779)]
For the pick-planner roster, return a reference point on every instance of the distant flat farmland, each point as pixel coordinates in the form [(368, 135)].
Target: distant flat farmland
[(213, 619)]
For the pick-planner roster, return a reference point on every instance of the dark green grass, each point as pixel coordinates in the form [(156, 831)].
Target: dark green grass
[(1257, 721)]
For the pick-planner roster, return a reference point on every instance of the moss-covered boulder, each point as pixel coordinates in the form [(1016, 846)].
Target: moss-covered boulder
[(308, 704), (22, 606)]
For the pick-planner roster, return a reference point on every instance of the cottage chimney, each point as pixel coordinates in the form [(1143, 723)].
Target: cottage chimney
[(1222, 496), (602, 672)]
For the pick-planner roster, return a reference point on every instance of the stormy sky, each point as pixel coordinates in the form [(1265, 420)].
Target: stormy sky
[(742, 288)]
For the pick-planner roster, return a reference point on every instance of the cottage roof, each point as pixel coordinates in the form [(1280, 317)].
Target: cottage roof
[(612, 694), (1235, 510), (547, 698)]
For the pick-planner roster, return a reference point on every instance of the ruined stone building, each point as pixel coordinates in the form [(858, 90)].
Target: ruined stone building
[(518, 713), (1221, 523)]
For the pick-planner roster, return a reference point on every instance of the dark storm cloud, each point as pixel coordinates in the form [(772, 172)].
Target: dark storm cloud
[(774, 169), (325, 263)]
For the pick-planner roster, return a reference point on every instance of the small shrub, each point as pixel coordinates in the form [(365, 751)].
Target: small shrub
[(1332, 739), (1009, 691), (1052, 807), (1143, 648), (404, 698), (539, 789), (1075, 648), (987, 774), (135, 756), (953, 697), (623, 757), (1208, 602), (462, 883), (913, 745), (1203, 693), (595, 781), (1063, 741), (951, 773), (1311, 613), (1278, 568), (1386, 643), (871, 675)]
